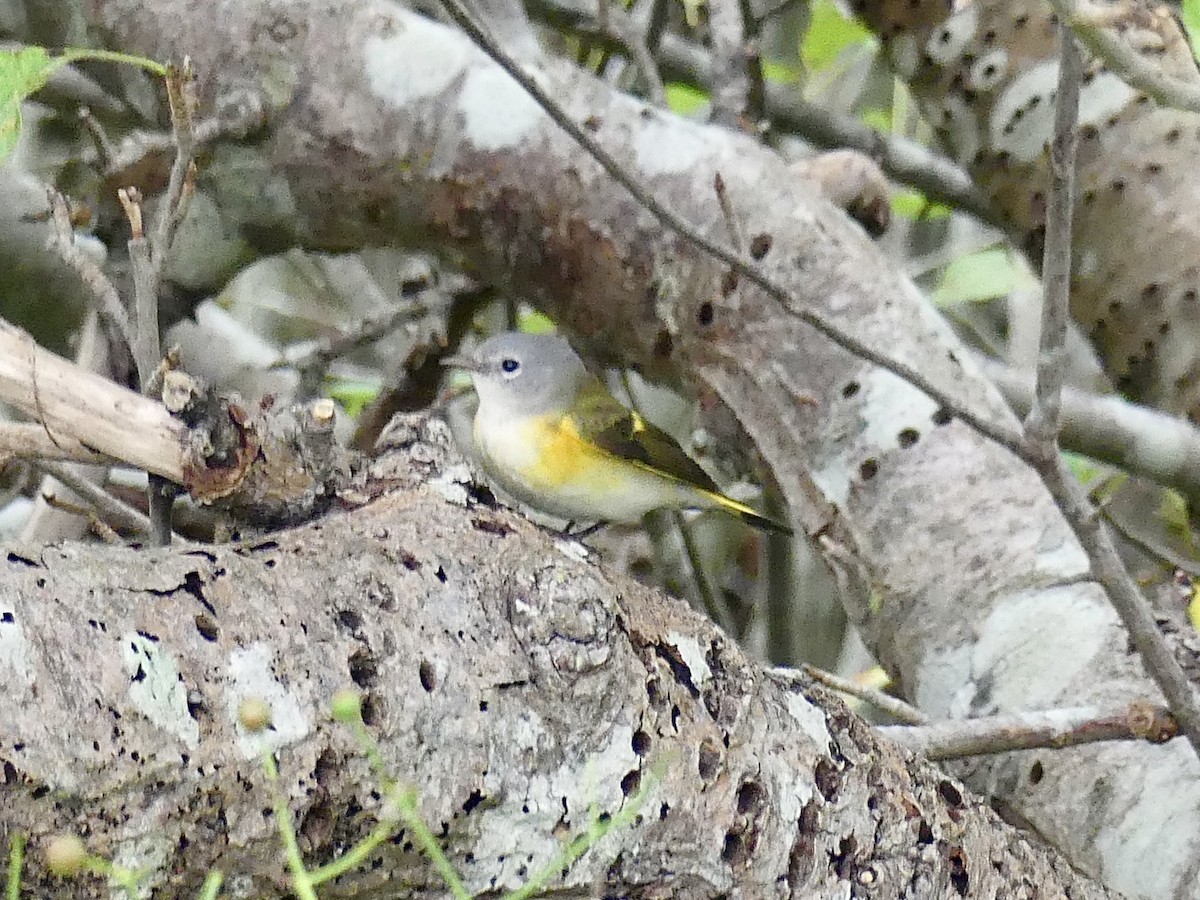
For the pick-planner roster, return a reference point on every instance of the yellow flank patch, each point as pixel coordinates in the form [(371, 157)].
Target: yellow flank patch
[(563, 457)]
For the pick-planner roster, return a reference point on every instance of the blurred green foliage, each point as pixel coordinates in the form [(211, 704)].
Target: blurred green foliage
[(982, 275)]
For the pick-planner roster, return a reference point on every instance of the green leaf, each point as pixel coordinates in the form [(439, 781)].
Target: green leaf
[(533, 322), (1190, 13), (22, 72), (27, 69), (914, 205), (982, 275), (829, 33), (1083, 468), (683, 99), (352, 395), (777, 72)]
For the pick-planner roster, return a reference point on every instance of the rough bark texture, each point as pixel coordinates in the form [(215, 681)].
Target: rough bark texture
[(513, 681), (984, 77), (391, 127)]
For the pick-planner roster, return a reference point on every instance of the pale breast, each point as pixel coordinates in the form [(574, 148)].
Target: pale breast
[(551, 469)]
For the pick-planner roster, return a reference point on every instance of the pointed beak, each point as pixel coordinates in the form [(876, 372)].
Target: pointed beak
[(460, 362)]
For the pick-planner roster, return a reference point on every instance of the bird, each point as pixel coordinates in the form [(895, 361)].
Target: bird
[(551, 435)]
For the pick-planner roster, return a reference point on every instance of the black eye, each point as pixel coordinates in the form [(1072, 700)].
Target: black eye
[(508, 366)]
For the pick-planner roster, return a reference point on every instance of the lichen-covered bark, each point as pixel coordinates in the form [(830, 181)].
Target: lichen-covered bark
[(970, 587), (985, 78), (517, 684)]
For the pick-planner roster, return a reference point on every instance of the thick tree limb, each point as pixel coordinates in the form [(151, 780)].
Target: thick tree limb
[(515, 684), (979, 601)]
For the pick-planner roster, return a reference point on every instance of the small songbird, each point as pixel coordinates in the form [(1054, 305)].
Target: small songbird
[(552, 436)]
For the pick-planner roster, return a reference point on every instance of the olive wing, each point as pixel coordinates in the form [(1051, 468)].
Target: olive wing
[(604, 422)]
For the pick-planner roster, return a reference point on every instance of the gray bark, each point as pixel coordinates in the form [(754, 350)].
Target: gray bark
[(969, 585), (512, 681)]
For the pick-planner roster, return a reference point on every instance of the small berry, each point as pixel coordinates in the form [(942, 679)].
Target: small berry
[(254, 714), (66, 855)]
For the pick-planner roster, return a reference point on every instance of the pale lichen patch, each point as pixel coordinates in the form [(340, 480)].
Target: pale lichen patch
[(1032, 668), (668, 146), (250, 676), (486, 92), (692, 654), (811, 721), (15, 649), (156, 688), (948, 41), (415, 62)]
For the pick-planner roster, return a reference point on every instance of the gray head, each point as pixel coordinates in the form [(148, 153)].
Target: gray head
[(524, 373)]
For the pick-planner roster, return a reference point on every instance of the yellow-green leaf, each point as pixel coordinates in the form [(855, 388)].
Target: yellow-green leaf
[(982, 275), (533, 322), (22, 72), (26, 69), (1190, 13), (1083, 468), (777, 72), (829, 33), (915, 205), (353, 395), (683, 99)]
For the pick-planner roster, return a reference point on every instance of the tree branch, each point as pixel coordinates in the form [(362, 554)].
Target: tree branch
[(1088, 23), (1042, 423)]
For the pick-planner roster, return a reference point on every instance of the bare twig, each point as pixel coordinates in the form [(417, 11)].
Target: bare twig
[(1071, 499), (730, 94), (893, 706), (1050, 729), (1042, 423), (737, 234), (104, 146), (84, 408), (148, 254), (1125, 61), (62, 241), (621, 27), (316, 355), (26, 440), (109, 507)]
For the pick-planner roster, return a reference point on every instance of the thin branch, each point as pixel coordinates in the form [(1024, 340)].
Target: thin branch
[(147, 256), (893, 706), (315, 356), (109, 508), (622, 28), (62, 242), (1109, 428), (1042, 423), (27, 440), (1124, 61), (730, 94), (89, 409), (1049, 729), (1001, 432), (181, 95)]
